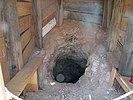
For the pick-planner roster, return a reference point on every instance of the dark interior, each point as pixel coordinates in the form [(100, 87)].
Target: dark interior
[(69, 70)]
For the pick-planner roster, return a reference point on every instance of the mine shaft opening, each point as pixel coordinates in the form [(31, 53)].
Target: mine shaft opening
[(69, 70)]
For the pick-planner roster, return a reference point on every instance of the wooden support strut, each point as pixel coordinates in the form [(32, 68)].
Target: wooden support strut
[(12, 36), (126, 60), (37, 14)]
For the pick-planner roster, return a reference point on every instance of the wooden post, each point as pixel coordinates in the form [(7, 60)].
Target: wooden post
[(12, 36), (37, 23), (60, 13), (2, 87), (107, 13), (114, 24), (126, 60)]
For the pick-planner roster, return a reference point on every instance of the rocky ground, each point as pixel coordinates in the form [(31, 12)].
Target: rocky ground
[(95, 83)]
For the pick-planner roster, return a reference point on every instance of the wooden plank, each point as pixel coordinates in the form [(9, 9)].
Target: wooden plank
[(60, 13), (17, 84), (49, 17), (25, 23), (12, 36), (24, 8), (115, 24), (28, 50), (38, 23), (2, 86), (32, 85), (123, 25), (125, 64), (124, 82), (26, 37), (3, 59)]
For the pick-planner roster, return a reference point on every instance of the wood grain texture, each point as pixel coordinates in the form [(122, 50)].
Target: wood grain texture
[(37, 13), (24, 8), (2, 86), (125, 65), (25, 23), (12, 36), (17, 84), (26, 37), (28, 50)]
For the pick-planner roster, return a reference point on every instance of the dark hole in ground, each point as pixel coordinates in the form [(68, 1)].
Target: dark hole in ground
[(68, 70)]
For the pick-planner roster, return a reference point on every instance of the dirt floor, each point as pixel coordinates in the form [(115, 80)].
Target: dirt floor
[(94, 84)]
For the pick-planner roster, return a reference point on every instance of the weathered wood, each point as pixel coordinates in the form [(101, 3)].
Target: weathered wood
[(115, 23), (28, 50), (17, 84), (60, 13), (37, 23), (26, 37), (12, 36), (25, 23), (3, 55), (124, 82), (125, 65), (107, 13), (32, 84), (49, 17), (24, 8), (2, 86)]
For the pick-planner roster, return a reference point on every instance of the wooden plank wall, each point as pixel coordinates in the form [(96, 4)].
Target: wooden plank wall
[(124, 20), (119, 25), (48, 8), (26, 27), (84, 10)]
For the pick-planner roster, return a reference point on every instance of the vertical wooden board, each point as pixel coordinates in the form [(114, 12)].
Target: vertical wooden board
[(24, 8), (123, 25), (28, 50), (26, 37), (2, 86), (25, 22), (3, 59)]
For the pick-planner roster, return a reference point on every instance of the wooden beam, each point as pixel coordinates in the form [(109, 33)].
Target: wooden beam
[(12, 36), (60, 13), (3, 55), (2, 87), (37, 23), (126, 60), (124, 82), (115, 24), (18, 83)]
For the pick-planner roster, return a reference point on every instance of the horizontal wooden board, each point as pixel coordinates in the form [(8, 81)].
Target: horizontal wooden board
[(26, 37), (25, 23), (28, 50), (21, 79), (49, 17), (24, 8), (84, 17), (123, 25)]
